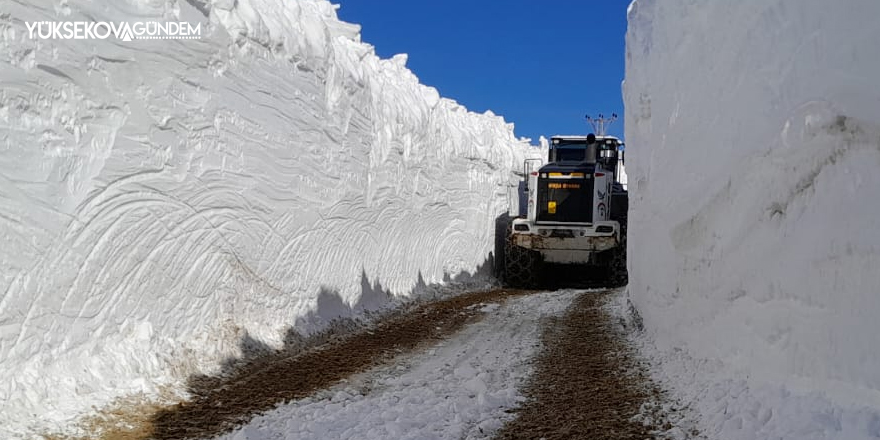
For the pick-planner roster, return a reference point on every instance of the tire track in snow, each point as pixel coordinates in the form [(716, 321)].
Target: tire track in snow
[(219, 404), (589, 383), (462, 387), (586, 383)]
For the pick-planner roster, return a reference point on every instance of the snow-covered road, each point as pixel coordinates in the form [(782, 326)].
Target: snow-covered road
[(505, 364), (460, 388)]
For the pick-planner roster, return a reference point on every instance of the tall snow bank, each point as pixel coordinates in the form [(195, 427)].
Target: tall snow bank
[(754, 164), (160, 200)]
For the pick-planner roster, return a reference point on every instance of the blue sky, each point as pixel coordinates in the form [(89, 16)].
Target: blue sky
[(542, 64)]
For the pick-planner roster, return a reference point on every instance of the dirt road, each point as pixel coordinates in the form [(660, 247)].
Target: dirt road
[(585, 381), (588, 383)]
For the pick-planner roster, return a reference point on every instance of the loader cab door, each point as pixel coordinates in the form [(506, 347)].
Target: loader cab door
[(525, 188)]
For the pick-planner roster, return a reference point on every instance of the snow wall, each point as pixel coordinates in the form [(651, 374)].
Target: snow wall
[(164, 200), (754, 167)]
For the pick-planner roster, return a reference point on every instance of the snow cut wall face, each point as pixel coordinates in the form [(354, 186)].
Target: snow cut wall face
[(754, 149), (161, 199)]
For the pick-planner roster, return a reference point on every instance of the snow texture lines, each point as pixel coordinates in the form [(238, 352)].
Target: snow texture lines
[(161, 199)]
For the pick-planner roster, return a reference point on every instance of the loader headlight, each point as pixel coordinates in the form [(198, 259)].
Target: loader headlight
[(521, 228), (604, 229)]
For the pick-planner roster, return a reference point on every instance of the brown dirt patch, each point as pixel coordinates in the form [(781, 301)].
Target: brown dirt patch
[(587, 382)]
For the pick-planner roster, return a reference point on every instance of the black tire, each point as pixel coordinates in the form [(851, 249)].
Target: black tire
[(522, 267), (502, 228), (616, 270), (616, 273)]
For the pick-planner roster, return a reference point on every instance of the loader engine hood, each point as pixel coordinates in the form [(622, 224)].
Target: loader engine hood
[(565, 192)]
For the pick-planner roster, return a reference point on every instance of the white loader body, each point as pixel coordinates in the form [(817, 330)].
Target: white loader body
[(568, 242)]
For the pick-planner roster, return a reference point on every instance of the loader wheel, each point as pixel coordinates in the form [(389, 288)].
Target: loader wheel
[(502, 230), (521, 266), (617, 275), (616, 269)]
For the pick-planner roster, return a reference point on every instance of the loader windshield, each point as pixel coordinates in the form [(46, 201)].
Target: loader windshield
[(571, 153), (568, 150), (575, 150)]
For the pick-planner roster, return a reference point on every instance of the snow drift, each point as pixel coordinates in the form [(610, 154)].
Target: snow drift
[(161, 200), (754, 151)]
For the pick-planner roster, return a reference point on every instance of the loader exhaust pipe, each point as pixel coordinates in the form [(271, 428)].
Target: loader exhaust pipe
[(591, 149)]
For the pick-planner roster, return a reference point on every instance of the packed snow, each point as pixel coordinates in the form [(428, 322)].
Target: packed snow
[(754, 151), (163, 200), (460, 388)]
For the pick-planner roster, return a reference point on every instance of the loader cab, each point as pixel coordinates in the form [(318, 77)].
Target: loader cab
[(573, 149), (567, 150)]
